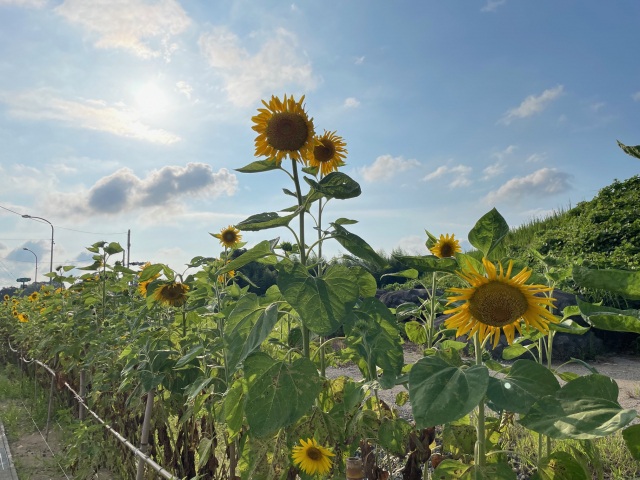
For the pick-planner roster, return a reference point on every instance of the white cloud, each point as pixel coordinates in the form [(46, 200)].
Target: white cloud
[(359, 60), (44, 104), (543, 182), (386, 167), (595, 107), (532, 105), (536, 157), (185, 89), (351, 102), (460, 175), (248, 78), (492, 5), (636, 96), (124, 191), (413, 245), (24, 3), (500, 165), (143, 28)]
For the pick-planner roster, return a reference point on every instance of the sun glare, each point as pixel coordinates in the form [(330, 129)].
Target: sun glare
[(151, 99)]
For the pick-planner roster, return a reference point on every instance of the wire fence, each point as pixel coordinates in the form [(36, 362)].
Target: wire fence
[(137, 452)]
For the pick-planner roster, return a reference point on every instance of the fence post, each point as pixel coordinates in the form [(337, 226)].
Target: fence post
[(144, 436)]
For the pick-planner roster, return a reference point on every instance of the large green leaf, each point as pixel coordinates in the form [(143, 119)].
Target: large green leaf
[(609, 318), (488, 232), (247, 326), (560, 466), (526, 382), (263, 221), (623, 282), (633, 151), (357, 246), (259, 251), (631, 437), (441, 393), (394, 435), (279, 393), (322, 302), (584, 408), (259, 166), (429, 263), (336, 185)]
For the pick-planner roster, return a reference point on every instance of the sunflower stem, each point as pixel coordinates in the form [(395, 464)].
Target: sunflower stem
[(306, 334), (432, 313), (480, 450)]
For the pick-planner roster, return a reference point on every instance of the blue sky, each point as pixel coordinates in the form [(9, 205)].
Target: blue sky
[(120, 115)]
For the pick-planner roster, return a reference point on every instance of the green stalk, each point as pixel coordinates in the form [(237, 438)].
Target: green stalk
[(306, 334), (480, 450), (432, 313)]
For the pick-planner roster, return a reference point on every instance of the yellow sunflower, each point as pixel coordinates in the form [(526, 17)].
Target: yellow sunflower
[(284, 128), (311, 457), (446, 246), (33, 297), (497, 301), (6, 298), (22, 318), (328, 154), (173, 294), (229, 237), (142, 286)]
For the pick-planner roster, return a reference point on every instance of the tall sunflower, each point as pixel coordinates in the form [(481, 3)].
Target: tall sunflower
[(229, 237), (446, 246), (329, 152), (499, 301), (284, 129), (311, 457), (142, 286), (173, 294)]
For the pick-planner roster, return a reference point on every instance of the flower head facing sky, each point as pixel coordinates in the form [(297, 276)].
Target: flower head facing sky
[(312, 458), (229, 237), (446, 246), (284, 129), (329, 153), (499, 301)]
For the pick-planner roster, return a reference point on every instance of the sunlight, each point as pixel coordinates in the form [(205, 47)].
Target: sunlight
[(151, 99)]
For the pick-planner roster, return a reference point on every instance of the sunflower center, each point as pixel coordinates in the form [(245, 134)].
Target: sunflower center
[(229, 236), (314, 454), (287, 131), (497, 304), (447, 250), (324, 152), (173, 292)]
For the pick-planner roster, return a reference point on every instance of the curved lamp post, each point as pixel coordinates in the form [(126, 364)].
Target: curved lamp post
[(35, 279), (51, 258)]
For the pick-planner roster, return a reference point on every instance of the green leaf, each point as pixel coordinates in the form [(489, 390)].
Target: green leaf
[(259, 166), (584, 408), (488, 232), (232, 407), (452, 470), (459, 437), (429, 263), (560, 466), (516, 350), (409, 273), (623, 282), (609, 318), (190, 355), (261, 250), (336, 185), (322, 302), (569, 326), (357, 246), (345, 221), (279, 393), (441, 393), (247, 326), (394, 435), (113, 248), (416, 332), (526, 382), (150, 272), (263, 221), (633, 151), (631, 436)]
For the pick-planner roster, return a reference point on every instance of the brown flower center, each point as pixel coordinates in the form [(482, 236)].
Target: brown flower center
[(287, 131), (497, 304), (447, 250), (229, 236), (325, 151), (314, 453)]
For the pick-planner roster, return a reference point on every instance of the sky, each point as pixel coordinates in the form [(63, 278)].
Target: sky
[(122, 116)]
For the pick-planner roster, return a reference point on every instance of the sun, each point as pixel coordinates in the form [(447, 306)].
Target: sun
[(150, 99)]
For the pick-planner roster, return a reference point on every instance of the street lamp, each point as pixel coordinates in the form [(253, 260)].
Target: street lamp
[(34, 254), (51, 258)]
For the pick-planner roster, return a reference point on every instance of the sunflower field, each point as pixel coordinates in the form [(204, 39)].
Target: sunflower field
[(216, 382)]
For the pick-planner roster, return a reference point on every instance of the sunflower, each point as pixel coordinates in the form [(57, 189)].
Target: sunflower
[(328, 154), (229, 237), (22, 318), (284, 128), (33, 297), (311, 457), (447, 246), (142, 286), (497, 301), (173, 294), (6, 298)]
